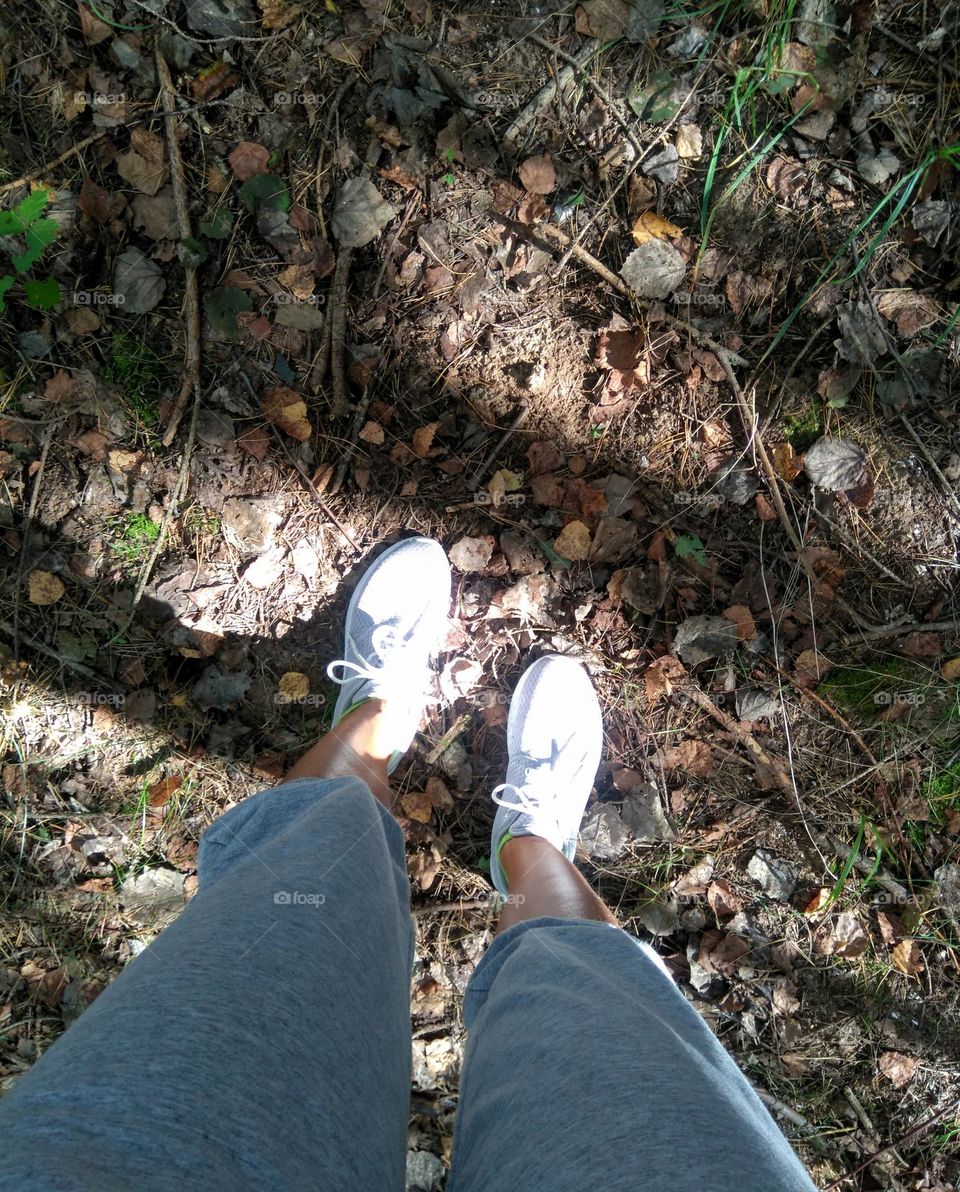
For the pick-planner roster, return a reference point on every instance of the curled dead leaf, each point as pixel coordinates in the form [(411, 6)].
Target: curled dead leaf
[(287, 410)]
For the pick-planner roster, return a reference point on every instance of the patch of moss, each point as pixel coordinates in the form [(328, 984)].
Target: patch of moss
[(136, 369), (803, 430)]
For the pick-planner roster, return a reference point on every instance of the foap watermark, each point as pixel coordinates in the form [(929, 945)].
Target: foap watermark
[(98, 99), (290, 300), (97, 298), (286, 99), (297, 898), (485, 498), (700, 298), (96, 699), (885, 699), (309, 701), (700, 503), (886, 96)]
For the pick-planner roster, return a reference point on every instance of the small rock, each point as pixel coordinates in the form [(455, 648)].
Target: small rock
[(472, 554), (521, 555), (774, 876), (154, 895), (424, 1171), (249, 525), (266, 569)]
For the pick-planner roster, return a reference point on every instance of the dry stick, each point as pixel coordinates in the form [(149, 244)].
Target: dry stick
[(740, 734), (67, 663), (27, 528), (359, 418), (302, 471), (548, 91), (594, 86), (504, 439), (191, 298), (869, 635), (337, 320), (52, 165), (885, 1150)]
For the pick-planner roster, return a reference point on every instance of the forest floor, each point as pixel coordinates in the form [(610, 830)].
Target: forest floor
[(650, 315)]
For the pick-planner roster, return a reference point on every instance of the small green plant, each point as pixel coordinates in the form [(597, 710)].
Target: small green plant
[(136, 369), (135, 534), (27, 221), (449, 178)]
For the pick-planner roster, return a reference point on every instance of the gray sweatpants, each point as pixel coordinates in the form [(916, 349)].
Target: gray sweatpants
[(263, 1042)]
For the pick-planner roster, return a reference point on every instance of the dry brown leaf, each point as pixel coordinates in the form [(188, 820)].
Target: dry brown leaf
[(423, 439), (277, 14), (93, 29), (255, 441), (160, 792), (785, 461), (695, 758), (907, 958), (742, 617), (723, 899), (538, 174), (898, 1068), (417, 806), (689, 141), (843, 936), (247, 159), (143, 164), (573, 542), (651, 226), (45, 588), (438, 794), (287, 410), (372, 432), (604, 19), (661, 676)]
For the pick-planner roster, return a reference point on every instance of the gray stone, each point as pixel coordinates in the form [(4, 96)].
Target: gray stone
[(424, 1171), (774, 876)]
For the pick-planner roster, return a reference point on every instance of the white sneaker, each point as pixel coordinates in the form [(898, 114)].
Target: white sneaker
[(396, 621), (554, 740)]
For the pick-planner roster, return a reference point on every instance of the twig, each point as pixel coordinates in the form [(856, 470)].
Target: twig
[(41, 647), (169, 513), (518, 418), (27, 530), (911, 47), (775, 768), (464, 904), (881, 631), (359, 417), (594, 86), (548, 92), (302, 471), (191, 298), (52, 165), (337, 322), (920, 1128)]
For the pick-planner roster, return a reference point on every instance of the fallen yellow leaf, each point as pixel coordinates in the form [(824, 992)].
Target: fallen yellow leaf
[(651, 226)]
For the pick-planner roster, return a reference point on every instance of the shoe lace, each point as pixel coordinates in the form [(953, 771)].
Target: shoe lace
[(385, 668), (523, 795)]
